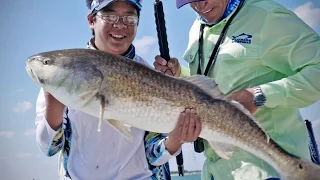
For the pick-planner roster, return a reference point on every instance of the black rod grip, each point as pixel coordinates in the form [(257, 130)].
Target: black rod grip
[(179, 159), (161, 30)]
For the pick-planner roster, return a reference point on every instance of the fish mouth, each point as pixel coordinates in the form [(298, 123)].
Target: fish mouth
[(34, 76), (30, 72)]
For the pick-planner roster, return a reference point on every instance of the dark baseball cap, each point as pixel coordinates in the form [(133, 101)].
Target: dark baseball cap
[(99, 4)]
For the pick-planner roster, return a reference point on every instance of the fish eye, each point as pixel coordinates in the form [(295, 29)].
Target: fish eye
[(46, 62)]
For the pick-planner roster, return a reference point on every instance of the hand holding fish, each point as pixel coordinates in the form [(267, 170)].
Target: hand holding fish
[(245, 97), (187, 129), (171, 67)]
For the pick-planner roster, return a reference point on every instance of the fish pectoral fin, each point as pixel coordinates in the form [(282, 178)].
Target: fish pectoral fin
[(205, 83), (122, 128), (102, 108), (223, 150)]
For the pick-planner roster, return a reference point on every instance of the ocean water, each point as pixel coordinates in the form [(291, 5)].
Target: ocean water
[(187, 177)]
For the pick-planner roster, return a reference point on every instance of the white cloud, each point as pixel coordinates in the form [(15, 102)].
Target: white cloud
[(6, 134), (30, 132), (22, 107), (308, 14), (23, 155), (144, 44)]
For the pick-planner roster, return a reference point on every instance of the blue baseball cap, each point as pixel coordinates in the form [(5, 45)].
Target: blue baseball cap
[(97, 5), (181, 3)]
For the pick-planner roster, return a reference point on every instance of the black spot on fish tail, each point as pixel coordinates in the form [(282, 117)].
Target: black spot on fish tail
[(300, 166)]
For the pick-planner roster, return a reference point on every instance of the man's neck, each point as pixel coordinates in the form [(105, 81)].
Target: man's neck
[(129, 53), (96, 44)]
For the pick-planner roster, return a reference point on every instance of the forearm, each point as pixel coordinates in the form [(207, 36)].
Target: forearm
[(293, 51), (49, 140), (172, 146), (299, 90), (53, 112)]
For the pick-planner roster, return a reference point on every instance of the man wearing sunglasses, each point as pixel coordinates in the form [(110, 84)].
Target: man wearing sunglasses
[(89, 154), (263, 56)]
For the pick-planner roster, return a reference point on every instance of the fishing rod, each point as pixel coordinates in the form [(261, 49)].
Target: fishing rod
[(164, 53), (161, 30), (314, 153)]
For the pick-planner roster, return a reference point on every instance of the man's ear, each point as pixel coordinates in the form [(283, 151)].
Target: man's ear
[(90, 18)]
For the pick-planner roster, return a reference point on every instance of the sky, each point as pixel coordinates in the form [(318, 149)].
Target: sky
[(32, 26)]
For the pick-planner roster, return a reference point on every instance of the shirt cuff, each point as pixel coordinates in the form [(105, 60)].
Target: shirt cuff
[(57, 139), (274, 94), (163, 155), (184, 71)]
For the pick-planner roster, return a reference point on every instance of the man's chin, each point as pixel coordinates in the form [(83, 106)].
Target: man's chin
[(119, 50)]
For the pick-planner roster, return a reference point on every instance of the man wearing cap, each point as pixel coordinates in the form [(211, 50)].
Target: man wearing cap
[(263, 56), (85, 153)]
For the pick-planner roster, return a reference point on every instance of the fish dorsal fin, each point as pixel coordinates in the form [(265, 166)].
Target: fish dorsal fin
[(205, 83)]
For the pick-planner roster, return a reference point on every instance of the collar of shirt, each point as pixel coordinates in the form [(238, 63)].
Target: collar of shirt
[(232, 5)]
